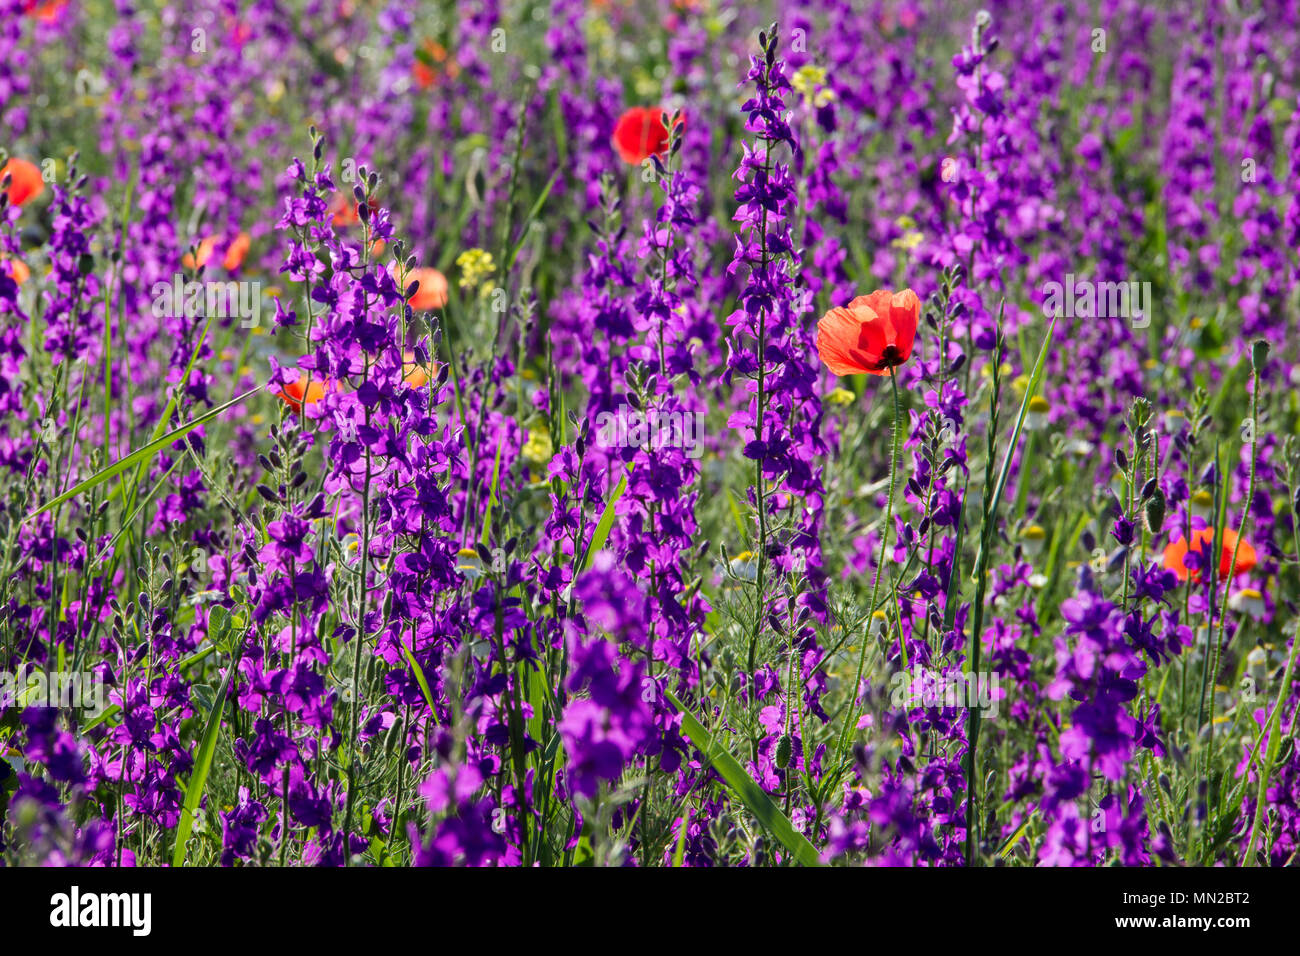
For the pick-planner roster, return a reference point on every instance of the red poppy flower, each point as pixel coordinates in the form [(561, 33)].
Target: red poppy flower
[(872, 335), (15, 269), (412, 372), (432, 293), (25, 180), (1202, 539), (343, 210), (432, 64), (47, 12), (292, 394), (639, 134), (232, 260)]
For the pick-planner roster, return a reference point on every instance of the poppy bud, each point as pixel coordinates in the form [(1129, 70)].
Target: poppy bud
[(1258, 354), (1155, 511), (784, 749)]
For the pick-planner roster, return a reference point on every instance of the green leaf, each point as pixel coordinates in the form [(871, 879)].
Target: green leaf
[(421, 680), (749, 792), (528, 220), (492, 495), (141, 455), (202, 764), (601, 534)]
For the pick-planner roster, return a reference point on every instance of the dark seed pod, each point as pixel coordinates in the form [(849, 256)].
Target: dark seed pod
[(1121, 459), (1155, 511), (784, 749)]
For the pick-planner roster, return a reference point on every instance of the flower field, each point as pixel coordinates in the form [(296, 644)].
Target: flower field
[(684, 433)]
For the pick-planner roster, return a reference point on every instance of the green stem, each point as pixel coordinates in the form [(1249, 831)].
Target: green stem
[(875, 584)]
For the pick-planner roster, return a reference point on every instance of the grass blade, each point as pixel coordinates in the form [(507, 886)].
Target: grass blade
[(601, 534), (749, 792), (202, 764), (141, 455)]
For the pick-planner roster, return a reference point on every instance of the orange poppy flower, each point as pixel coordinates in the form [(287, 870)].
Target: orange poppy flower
[(47, 12), (292, 394), (16, 269), (639, 134), (233, 259), (1202, 539), (433, 64), (432, 293), (236, 252), (25, 180), (872, 335), (412, 373), (343, 210)]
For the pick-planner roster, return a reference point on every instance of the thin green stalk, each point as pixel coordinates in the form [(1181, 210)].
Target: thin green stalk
[(880, 563)]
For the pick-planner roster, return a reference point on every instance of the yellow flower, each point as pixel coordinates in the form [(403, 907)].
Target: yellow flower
[(475, 266), (469, 564), (1202, 503), (910, 238), (1033, 538), (1036, 413), (807, 79), (840, 396), (538, 449)]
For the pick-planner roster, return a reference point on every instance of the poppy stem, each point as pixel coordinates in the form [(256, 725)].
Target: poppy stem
[(875, 584), (1236, 547), (1273, 724)]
